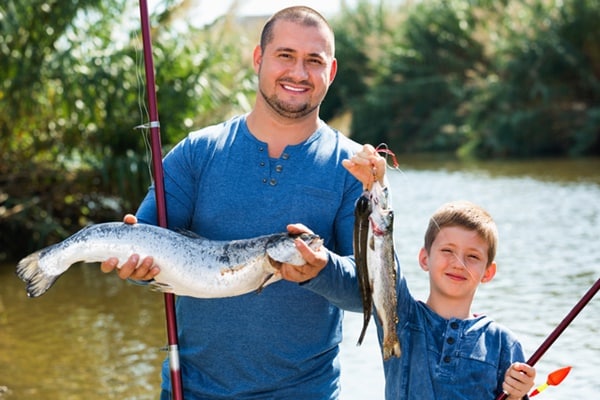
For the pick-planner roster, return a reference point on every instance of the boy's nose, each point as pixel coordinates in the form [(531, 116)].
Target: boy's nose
[(457, 261)]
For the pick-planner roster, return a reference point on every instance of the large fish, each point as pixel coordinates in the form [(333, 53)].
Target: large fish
[(189, 265), (380, 268)]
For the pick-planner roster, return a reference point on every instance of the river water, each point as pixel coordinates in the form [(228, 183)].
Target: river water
[(93, 336)]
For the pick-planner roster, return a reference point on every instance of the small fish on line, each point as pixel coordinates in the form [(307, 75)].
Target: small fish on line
[(376, 264), (189, 265)]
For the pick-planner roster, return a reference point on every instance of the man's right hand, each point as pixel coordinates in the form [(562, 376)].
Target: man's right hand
[(132, 268)]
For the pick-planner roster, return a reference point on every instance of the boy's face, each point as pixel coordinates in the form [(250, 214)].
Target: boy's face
[(457, 263)]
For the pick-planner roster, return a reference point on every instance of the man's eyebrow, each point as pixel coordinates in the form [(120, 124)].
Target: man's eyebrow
[(286, 49), (291, 50)]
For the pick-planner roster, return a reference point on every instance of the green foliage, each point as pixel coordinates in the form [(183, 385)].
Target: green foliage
[(428, 71), (72, 91), (547, 101), (480, 78), (355, 31)]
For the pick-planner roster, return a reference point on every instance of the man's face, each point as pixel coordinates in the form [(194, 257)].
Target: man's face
[(295, 69)]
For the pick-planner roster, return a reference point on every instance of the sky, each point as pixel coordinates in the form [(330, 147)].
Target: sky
[(208, 10)]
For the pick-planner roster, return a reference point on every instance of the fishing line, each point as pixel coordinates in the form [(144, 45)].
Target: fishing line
[(143, 109), (384, 149)]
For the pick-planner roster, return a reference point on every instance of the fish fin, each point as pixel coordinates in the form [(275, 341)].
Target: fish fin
[(188, 233), (38, 281), (271, 278), (160, 287)]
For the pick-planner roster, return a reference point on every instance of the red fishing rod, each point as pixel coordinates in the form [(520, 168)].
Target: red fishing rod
[(159, 191), (560, 328)]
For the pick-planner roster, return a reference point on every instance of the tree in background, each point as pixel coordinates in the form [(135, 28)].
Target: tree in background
[(476, 78), (72, 91), (543, 98), (479, 78)]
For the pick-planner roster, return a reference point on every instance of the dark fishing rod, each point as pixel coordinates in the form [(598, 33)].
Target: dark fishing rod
[(159, 191), (560, 328)]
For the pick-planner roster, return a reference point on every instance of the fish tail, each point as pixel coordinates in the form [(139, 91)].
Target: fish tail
[(391, 347), (366, 319), (38, 281)]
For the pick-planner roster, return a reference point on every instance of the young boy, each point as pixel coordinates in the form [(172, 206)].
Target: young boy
[(447, 351)]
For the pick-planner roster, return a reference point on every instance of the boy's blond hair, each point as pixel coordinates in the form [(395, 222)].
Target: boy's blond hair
[(466, 215)]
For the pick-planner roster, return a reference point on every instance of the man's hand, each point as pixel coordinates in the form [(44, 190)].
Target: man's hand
[(367, 166), (316, 260), (132, 268)]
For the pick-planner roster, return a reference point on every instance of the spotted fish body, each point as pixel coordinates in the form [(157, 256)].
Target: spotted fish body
[(189, 265), (380, 272)]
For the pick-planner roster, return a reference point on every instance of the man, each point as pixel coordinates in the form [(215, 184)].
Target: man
[(253, 175)]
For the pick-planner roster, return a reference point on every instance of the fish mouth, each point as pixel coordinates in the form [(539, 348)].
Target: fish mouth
[(377, 231)]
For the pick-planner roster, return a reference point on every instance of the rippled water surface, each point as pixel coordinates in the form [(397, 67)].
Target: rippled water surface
[(93, 336)]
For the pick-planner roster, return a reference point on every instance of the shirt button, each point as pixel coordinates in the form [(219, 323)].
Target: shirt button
[(261, 149), (264, 180), (273, 182), (450, 340), (285, 156), (447, 359), (279, 168), (262, 164), (454, 325)]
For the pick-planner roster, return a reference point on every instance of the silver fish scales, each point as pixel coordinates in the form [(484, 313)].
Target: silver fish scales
[(377, 269), (189, 265)]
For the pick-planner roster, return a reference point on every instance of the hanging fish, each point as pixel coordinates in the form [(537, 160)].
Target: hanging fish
[(376, 265)]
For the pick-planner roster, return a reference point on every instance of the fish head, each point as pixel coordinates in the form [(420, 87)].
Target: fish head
[(363, 205), (283, 249), (312, 240), (379, 196), (382, 222), (381, 217)]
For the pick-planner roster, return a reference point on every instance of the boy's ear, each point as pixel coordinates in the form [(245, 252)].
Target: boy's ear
[(424, 259), (489, 273)]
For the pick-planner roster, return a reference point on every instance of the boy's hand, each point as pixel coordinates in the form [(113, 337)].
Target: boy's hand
[(518, 380)]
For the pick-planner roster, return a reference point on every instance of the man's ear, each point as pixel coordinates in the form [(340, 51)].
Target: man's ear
[(489, 273), (424, 259), (257, 58)]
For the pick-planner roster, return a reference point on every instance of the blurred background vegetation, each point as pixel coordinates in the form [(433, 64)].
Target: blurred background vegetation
[(473, 78)]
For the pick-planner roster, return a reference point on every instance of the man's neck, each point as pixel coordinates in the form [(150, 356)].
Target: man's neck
[(279, 132)]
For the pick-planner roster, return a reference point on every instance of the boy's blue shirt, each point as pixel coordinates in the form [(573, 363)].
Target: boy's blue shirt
[(447, 359), (282, 343)]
